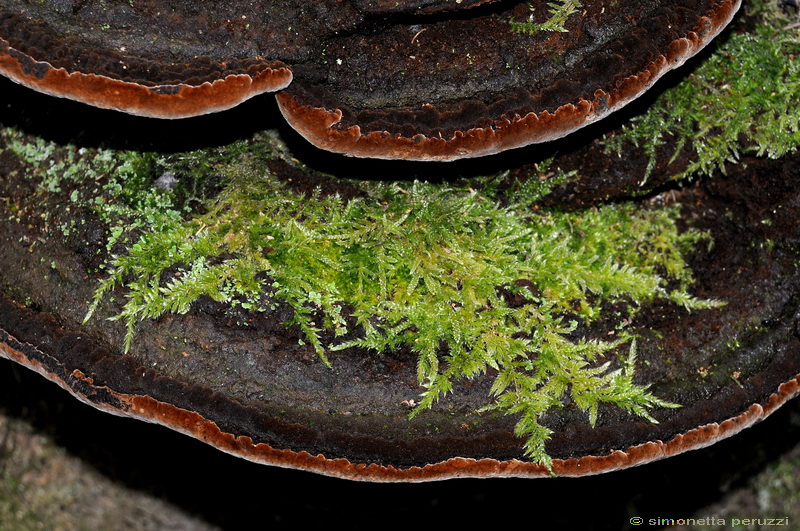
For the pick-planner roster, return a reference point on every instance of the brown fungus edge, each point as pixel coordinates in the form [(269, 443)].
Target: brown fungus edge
[(143, 406), (179, 100)]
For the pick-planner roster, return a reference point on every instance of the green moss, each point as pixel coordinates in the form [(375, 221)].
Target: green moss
[(743, 98), (54, 164), (559, 10), (468, 284)]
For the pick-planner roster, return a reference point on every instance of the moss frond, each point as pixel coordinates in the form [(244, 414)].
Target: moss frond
[(741, 99), (559, 10), (430, 267)]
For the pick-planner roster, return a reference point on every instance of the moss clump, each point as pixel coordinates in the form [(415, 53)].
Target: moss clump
[(559, 11), (743, 98), (467, 284)]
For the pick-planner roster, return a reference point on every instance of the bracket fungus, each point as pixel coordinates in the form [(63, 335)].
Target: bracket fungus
[(415, 80), (243, 380)]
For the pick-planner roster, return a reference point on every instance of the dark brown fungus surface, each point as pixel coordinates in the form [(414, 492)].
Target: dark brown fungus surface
[(418, 80), (98, 58), (255, 392), (470, 87)]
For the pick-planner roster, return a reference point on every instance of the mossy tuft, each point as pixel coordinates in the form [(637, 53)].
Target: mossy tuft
[(741, 99), (469, 285), (560, 11)]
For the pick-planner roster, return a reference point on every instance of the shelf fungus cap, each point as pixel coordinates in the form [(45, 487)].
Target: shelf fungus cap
[(129, 58), (471, 87), (291, 429), (175, 59), (444, 81)]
